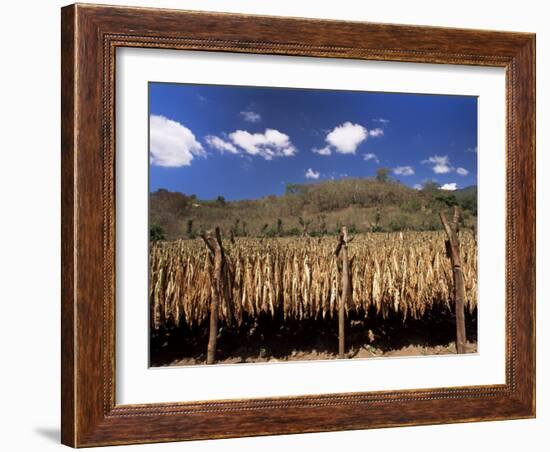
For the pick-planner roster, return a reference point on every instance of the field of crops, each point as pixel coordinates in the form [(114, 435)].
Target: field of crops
[(300, 278)]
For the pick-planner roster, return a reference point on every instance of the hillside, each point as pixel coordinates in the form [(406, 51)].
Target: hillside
[(362, 204)]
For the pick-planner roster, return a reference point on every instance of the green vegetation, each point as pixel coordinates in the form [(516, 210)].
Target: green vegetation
[(377, 204), (156, 233), (383, 175)]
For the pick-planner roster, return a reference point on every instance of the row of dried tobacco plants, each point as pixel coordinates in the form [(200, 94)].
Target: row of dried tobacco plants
[(405, 272)]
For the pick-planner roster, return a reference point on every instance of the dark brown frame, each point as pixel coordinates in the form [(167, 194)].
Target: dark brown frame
[(90, 35)]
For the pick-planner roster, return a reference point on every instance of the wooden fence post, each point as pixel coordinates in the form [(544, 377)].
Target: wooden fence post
[(342, 246), (453, 252), (215, 247)]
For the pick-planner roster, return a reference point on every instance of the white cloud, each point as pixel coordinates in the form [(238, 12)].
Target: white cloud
[(451, 186), (378, 132), (417, 186), (310, 174), (441, 164), (323, 151), (251, 116), (474, 149), (346, 137), (462, 171), (220, 144), (268, 145), (403, 170), (171, 143), (371, 156), (381, 120)]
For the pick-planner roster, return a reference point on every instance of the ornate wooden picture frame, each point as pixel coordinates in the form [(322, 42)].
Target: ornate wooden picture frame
[(90, 37)]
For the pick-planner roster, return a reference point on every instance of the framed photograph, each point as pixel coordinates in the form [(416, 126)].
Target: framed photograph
[(281, 225)]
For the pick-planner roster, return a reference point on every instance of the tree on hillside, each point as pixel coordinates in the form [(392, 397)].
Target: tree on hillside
[(376, 225), (234, 230), (322, 224), (305, 225), (383, 175), (279, 227), (156, 233), (190, 232), (430, 186), (295, 189), (447, 198), (220, 200)]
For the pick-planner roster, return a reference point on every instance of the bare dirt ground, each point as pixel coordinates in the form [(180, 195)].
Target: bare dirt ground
[(263, 340), (366, 351)]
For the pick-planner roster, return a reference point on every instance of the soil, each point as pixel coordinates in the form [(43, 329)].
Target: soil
[(278, 340), (366, 351)]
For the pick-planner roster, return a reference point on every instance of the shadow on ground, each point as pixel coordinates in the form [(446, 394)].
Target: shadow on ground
[(267, 339)]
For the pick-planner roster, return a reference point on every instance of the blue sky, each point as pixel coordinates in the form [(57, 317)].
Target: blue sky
[(248, 142)]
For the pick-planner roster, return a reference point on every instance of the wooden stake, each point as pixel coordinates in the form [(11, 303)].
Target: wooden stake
[(215, 247), (453, 251), (343, 247)]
